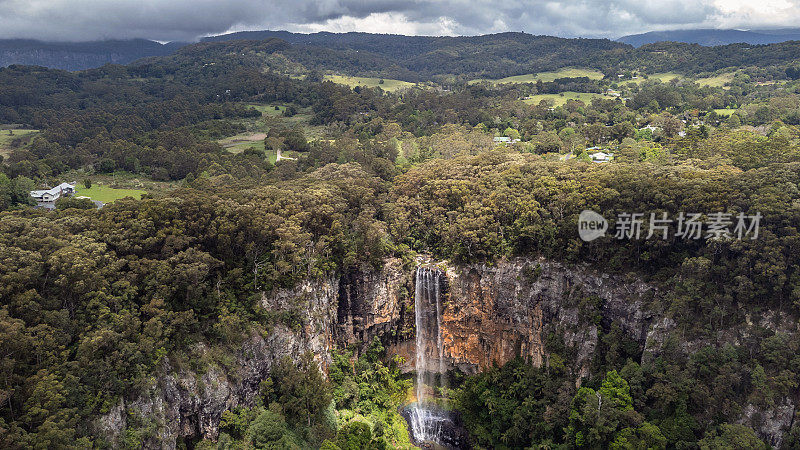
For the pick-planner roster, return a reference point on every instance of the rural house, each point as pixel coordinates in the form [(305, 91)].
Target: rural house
[(601, 157), (51, 195), (504, 140)]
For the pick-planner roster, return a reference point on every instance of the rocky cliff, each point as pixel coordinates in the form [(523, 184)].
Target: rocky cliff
[(495, 313), (490, 314), (185, 403), (80, 55), (338, 309)]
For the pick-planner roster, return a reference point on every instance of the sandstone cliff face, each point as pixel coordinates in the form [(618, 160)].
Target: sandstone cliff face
[(490, 314), (374, 303), (496, 313)]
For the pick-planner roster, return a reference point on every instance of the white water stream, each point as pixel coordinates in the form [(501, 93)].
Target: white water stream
[(427, 421)]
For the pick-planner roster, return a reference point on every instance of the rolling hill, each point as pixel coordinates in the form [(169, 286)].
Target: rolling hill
[(428, 58), (487, 56), (711, 37)]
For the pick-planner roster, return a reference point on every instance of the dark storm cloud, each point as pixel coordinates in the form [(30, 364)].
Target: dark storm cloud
[(190, 19)]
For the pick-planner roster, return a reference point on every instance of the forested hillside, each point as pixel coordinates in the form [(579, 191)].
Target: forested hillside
[(506, 54), (261, 294), (423, 58)]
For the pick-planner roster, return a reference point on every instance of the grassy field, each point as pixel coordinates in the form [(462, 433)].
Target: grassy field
[(388, 85), (665, 77), (559, 100), (717, 81), (725, 111), (256, 129), (547, 76), (270, 117), (7, 136), (107, 194), (268, 110), (241, 142), (239, 147), (119, 180)]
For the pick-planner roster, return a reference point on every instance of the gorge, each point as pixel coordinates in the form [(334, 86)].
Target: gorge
[(472, 318)]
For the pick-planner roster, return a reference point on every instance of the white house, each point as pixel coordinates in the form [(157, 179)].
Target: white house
[(51, 195), (601, 157), (504, 140)]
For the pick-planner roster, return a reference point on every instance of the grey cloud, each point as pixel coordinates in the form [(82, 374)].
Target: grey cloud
[(190, 19)]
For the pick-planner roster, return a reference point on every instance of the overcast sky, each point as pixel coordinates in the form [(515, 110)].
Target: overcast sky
[(187, 20)]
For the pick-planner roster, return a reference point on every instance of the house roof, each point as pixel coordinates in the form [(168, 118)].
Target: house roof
[(53, 191)]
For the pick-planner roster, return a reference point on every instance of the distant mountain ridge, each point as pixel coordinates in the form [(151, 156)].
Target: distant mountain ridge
[(80, 55), (413, 58), (714, 37), (402, 46), (491, 55), (416, 58), (497, 55)]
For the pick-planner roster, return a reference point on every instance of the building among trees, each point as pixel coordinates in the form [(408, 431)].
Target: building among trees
[(51, 195)]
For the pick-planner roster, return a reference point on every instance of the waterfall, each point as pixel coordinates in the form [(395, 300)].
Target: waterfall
[(432, 426), (427, 420)]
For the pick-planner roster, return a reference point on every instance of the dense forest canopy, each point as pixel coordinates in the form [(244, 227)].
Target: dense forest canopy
[(260, 174)]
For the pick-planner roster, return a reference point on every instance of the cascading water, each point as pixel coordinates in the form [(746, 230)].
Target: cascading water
[(427, 421), (431, 425)]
